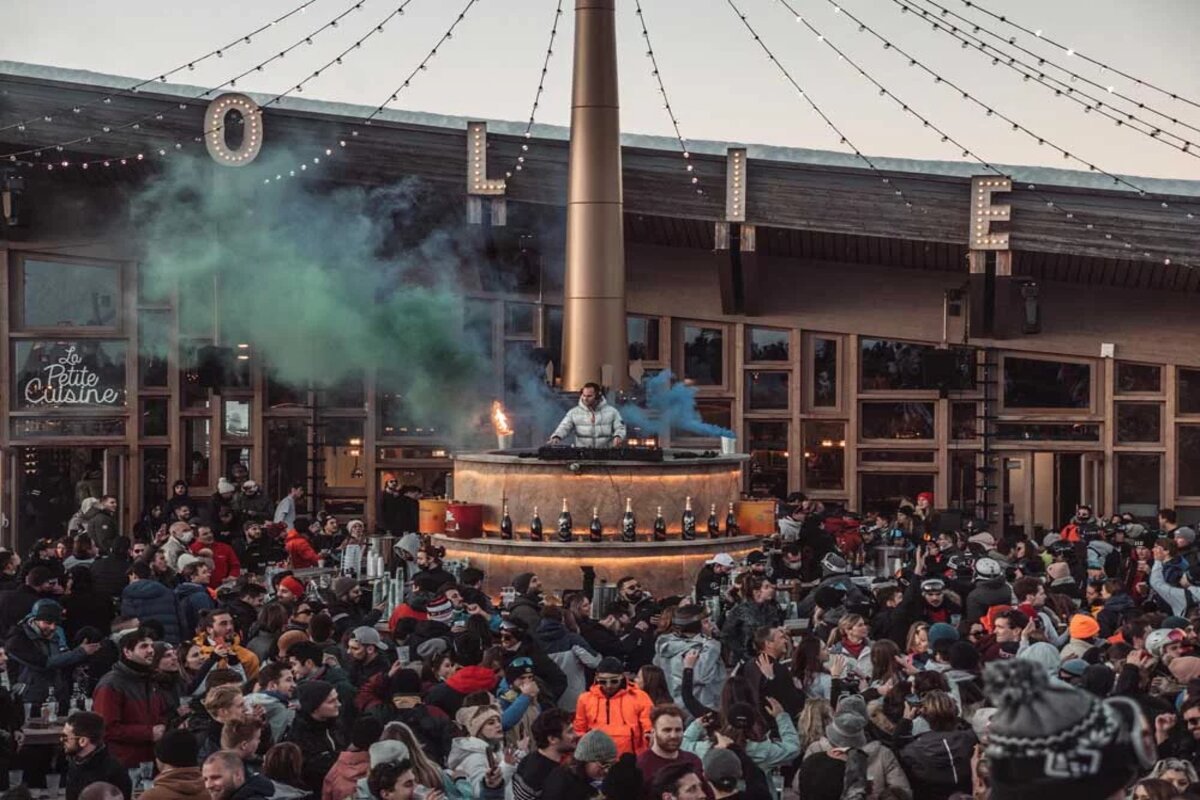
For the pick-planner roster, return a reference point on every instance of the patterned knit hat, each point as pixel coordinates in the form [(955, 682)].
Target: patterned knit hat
[(1051, 741), (440, 609)]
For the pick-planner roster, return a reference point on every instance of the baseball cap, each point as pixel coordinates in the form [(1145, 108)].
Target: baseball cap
[(722, 560), (365, 635)]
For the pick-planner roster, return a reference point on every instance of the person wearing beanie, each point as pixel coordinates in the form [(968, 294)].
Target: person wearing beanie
[(178, 776), (527, 607), (355, 762), (569, 651), (405, 704), (469, 754), (315, 730), (595, 754), (516, 642), (942, 631), (616, 708), (432, 635), (1083, 629), (289, 591), (1050, 741), (346, 610), (687, 635), (1119, 607), (835, 573), (1061, 581), (298, 544), (847, 731)]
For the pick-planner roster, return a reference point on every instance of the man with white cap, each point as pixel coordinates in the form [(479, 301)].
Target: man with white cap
[(252, 504), (708, 582)]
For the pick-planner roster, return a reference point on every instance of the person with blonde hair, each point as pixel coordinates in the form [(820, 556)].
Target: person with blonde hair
[(850, 639)]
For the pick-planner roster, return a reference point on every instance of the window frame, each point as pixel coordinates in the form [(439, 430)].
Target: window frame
[(807, 382), (1095, 377), (17, 325), (679, 328)]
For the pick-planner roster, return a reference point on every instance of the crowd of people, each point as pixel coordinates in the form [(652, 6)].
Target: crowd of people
[(193, 660)]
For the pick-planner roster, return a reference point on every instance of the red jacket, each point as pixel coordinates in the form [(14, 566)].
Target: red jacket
[(404, 610), (300, 552), (225, 561), (131, 705)]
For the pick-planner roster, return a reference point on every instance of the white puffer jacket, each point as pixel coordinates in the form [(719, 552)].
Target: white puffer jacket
[(592, 428)]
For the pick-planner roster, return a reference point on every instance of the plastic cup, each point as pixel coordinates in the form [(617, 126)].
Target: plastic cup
[(15, 777), (147, 770), (53, 781)]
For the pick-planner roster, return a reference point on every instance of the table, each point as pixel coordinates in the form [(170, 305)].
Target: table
[(42, 734)]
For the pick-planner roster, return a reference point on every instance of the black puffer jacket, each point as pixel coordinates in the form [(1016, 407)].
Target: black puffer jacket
[(938, 763), (319, 743), (110, 573), (993, 592), (99, 766)]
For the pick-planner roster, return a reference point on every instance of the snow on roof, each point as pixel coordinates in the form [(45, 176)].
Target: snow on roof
[(1042, 176)]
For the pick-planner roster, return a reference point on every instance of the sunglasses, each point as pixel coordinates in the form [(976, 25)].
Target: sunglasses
[(609, 681)]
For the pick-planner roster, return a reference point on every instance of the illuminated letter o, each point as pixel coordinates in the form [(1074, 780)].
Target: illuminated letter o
[(214, 130)]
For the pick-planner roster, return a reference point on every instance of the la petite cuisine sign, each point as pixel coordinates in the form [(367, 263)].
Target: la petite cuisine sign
[(69, 382)]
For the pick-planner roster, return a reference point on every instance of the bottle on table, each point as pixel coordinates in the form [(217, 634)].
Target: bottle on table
[(731, 524), (506, 526), (688, 523), (50, 707), (714, 528), (595, 529), (566, 531), (535, 526), (628, 523), (660, 527)]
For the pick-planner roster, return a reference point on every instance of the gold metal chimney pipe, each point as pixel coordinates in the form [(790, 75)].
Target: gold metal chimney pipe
[(594, 338)]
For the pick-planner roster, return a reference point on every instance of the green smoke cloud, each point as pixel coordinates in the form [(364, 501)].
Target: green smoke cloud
[(325, 284)]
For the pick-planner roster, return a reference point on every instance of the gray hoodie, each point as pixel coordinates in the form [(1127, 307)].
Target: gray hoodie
[(708, 676), (279, 716)]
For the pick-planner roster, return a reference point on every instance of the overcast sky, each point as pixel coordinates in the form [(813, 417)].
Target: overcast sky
[(720, 83)]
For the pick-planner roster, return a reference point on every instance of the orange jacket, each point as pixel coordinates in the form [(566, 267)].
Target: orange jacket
[(625, 717), (300, 552)]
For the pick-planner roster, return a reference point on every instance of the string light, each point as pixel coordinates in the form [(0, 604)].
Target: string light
[(136, 123), (1071, 52), (219, 52), (992, 111), (1062, 89), (886, 180), (662, 89), (395, 93), (519, 163), (1011, 41), (368, 120), (929, 124)]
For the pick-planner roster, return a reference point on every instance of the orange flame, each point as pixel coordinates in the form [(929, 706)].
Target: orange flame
[(500, 419)]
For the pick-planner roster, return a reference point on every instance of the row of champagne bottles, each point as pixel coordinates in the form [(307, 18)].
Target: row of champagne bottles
[(658, 533)]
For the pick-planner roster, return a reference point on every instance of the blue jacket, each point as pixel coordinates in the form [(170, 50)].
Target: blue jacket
[(192, 598), (148, 599)]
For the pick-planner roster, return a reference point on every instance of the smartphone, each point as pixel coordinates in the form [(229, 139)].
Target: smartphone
[(491, 758)]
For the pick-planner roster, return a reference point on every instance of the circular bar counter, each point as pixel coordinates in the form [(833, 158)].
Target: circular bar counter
[(665, 568), (523, 481)]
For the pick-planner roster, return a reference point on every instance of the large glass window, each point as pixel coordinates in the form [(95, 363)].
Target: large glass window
[(963, 481), (154, 335), (1033, 383), (1139, 481), (520, 319), (197, 445), (896, 420), (767, 391), (1134, 378), (342, 445), (287, 455), (768, 448), (1139, 422), (825, 373), (477, 322), (1047, 432), (347, 393), (887, 490), (154, 416), (888, 365), (1188, 448), (553, 340), (642, 333), (397, 419), (824, 456), (712, 411), (68, 374), (154, 476), (237, 419), (768, 344), (704, 355), (60, 295), (963, 422), (1189, 391)]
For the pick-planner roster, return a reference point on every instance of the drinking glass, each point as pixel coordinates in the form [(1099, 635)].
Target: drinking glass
[(15, 777), (53, 781)]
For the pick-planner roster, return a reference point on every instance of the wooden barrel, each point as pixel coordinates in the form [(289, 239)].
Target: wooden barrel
[(433, 516)]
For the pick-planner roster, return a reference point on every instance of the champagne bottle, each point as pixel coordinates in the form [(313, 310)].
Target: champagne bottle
[(535, 527), (506, 526), (688, 524), (628, 523), (731, 525), (714, 529), (660, 527), (596, 530), (565, 532)]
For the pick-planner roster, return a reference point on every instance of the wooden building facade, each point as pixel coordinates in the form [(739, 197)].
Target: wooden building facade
[(863, 348)]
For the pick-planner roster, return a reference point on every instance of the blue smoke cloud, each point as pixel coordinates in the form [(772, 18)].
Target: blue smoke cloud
[(670, 405)]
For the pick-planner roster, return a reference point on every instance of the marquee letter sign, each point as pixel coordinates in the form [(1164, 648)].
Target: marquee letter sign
[(67, 381), (215, 119)]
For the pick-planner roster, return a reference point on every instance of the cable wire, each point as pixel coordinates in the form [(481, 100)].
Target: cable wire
[(662, 89)]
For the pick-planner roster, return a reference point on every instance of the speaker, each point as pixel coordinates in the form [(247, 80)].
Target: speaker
[(214, 365)]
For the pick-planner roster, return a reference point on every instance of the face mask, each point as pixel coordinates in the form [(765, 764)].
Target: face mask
[(186, 537)]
